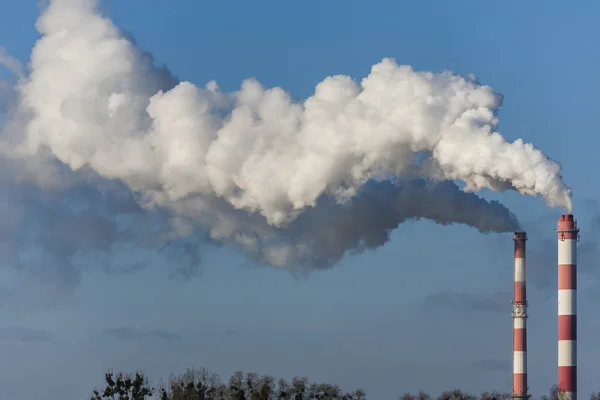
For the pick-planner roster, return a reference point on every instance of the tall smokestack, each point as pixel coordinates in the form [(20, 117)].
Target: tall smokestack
[(519, 321), (568, 234)]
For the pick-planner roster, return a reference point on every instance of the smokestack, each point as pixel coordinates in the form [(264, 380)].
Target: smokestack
[(519, 321), (568, 234)]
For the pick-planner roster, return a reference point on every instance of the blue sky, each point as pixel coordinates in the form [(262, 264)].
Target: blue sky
[(430, 310)]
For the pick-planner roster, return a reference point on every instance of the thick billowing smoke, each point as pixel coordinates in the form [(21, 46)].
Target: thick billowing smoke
[(286, 182)]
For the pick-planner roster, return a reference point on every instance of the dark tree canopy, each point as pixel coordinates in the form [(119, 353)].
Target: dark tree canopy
[(124, 387), (201, 384)]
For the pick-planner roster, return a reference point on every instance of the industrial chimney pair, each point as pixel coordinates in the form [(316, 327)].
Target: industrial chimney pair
[(568, 234)]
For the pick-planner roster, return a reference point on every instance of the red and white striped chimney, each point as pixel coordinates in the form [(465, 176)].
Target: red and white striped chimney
[(568, 233), (520, 389)]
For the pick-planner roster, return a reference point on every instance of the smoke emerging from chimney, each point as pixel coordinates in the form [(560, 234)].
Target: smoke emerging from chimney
[(285, 182)]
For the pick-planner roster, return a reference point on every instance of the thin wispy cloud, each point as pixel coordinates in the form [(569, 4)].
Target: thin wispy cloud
[(482, 302), (129, 333), (24, 334)]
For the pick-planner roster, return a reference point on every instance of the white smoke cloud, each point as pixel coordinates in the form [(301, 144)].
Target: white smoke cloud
[(255, 168)]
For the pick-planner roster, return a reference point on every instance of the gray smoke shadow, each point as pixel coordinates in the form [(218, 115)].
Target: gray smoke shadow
[(322, 235), (49, 238)]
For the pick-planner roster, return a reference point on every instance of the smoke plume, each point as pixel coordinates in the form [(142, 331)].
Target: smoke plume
[(285, 182)]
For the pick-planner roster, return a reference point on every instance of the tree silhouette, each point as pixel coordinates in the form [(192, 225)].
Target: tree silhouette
[(284, 390), (456, 394), (124, 387), (299, 388), (419, 396), (495, 396), (265, 389), (201, 384), (195, 384), (552, 394)]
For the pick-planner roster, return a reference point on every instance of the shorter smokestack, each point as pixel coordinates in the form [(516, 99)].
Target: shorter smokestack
[(519, 314)]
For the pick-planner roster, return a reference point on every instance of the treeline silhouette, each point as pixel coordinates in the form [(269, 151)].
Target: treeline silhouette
[(201, 384)]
